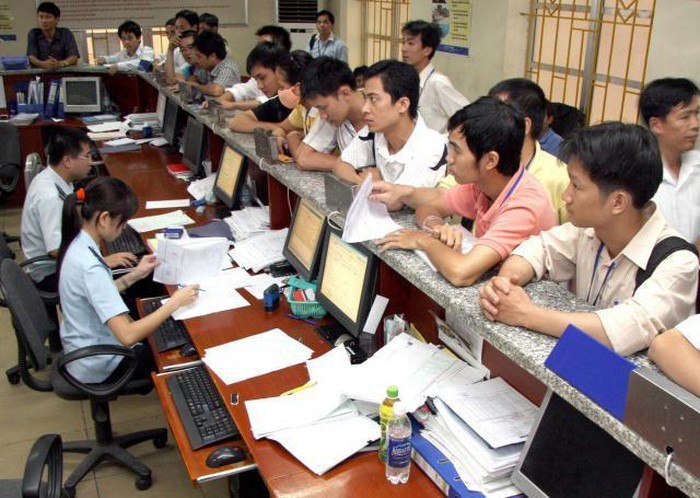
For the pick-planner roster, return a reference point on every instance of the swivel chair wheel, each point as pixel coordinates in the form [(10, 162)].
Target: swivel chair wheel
[(143, 482), (160, 442), (13, 378)]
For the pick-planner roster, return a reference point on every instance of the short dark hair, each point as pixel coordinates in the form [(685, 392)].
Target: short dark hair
[(660, 96), (324, 77), (328, 13), (129, 27), (489, 124), (618, 156), (209, 19), (49, 8), (293, 64), (430, 33), (527, 96), (278, 34), (65, 141), (398, 80), (188, 15), (265, 54), (187, 33), (208, 42), (170, 22), (360, 71)]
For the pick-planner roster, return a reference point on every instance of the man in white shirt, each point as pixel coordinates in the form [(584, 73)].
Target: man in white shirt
[(68, 154), (438, 98), (325, 42), (669, 107), (396, 143), (329, 86), (134, 51)]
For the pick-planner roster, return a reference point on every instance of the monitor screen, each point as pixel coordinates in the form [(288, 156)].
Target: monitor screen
[(568, 455), (194, 145), (81, 94), (305, 240), (230, 177), (160, 108), (170, 121), (346, 281)]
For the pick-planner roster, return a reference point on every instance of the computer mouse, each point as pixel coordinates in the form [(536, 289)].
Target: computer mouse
[(224, 456), (188, 350), (342, 339)]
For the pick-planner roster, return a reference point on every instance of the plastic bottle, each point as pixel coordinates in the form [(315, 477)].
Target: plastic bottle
[(386, 411), (398, 454)]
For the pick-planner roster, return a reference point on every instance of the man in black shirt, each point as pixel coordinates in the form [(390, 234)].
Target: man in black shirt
[(48, 46)]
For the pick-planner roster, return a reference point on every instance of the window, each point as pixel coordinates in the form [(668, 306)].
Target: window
[(381, 27), (94, 43)]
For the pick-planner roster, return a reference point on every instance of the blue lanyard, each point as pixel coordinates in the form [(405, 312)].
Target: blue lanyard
[(605, 279), (512, 189), (425, 84), (99, 258)]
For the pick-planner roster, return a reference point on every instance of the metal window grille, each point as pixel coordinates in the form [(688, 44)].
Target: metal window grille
[(381, 28)]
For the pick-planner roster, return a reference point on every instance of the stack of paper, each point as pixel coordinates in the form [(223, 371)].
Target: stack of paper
[(256, 253), (481, 429), (160, 221), (189, 261), (139, 119), (249, 221), (255, 355)]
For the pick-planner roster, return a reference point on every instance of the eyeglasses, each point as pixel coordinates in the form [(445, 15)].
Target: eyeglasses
[(85, 157)]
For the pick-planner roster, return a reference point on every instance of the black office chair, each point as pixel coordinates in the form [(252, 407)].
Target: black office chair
[(10, 158), (43, 472), (32, 326)]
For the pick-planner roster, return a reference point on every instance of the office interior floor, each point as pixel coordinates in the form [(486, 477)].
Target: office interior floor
[(26, 414)]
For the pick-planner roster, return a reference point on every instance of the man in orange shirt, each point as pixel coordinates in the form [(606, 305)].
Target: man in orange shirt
[(506, 202)]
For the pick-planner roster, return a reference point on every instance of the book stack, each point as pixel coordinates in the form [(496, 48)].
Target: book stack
[(180, 171)]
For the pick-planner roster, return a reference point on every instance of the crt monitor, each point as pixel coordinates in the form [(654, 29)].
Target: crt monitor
[(160, 108), (81, 94), (194, 145), (346, 281), (171, 121), (230, 177), (304, 243), (568, 455)]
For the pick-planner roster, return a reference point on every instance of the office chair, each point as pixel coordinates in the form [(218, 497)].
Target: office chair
[(45, 459), (32, 326), (49, 299), (10, 158), (32, 167)]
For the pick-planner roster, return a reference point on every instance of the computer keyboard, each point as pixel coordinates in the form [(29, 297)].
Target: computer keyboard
[(201, 409), (171, 334), (128, 241), (331, 333)]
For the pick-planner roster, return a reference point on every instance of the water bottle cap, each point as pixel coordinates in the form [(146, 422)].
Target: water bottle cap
[(392, 391), (399, 409)]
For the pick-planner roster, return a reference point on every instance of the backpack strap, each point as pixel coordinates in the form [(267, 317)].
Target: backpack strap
[(312, 42), (663, 249)]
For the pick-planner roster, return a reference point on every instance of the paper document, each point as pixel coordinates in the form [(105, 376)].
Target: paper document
[(468, 241), (255, 355), (258, 252), (160, 221), (258, 284), (109, 126), (325, 444), (189, 261), (174, 203), (249, 222), (309, 405), (367, 220), (209, 301), (120, 141), (330, 367), (497, 412), (198, 189)]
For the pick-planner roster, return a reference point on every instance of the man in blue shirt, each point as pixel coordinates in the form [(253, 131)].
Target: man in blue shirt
[(324, 42), (48, 46)]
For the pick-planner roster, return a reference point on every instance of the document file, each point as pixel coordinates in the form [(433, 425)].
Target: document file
[(367, 220), (160, 221), (189, 261), (260, 251)]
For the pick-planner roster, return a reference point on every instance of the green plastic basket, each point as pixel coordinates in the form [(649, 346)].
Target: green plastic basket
[(304, 309)]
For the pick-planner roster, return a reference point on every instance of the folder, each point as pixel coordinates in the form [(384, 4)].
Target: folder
[(594, 369)]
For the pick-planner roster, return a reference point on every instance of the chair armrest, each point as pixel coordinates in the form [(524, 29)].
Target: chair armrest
[(86, 352), (36, 259), (47, 451)]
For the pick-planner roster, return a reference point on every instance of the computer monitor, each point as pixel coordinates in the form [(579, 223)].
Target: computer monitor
[(346, 281), (568, 455), (194, 145), (230, 177), (171, 122), (160, 108), (304, 243), (81, 94)]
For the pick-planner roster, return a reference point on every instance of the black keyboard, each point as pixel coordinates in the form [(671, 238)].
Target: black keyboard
[(171, 334), (128, 241), (203, 413), (332, 332)]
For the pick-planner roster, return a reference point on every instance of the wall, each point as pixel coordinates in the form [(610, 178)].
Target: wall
[(675, 40), (25, 19)]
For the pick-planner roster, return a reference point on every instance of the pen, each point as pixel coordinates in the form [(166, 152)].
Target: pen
[(309, 384), (180, 286), (305, 320)]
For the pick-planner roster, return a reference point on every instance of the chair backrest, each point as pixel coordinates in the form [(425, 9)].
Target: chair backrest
[(10, 157), (30, 319), (32, 167)]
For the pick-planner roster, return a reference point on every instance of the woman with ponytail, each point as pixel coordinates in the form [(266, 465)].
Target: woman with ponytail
[(93, 311)]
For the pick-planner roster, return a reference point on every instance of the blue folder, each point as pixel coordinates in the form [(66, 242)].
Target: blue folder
[(593, 368)]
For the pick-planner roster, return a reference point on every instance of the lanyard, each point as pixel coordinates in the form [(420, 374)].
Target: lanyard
[(605, 279), (99, 258), (61, 194), (425, 84), (512, 189)]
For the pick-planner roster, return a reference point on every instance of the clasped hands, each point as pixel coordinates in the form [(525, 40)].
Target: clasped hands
[(503, 299)]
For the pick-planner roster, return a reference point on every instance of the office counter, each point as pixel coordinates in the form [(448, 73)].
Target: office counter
[(403, 276)]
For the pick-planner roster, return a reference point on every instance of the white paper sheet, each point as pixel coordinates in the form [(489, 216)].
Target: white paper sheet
[(198, 189), (160, 221), (189, 261), (108, 126), (367, 220), (169, 204), (120, 141), (468, 241), (260, 251), (255, 355), (211, 301), (330, 367)]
